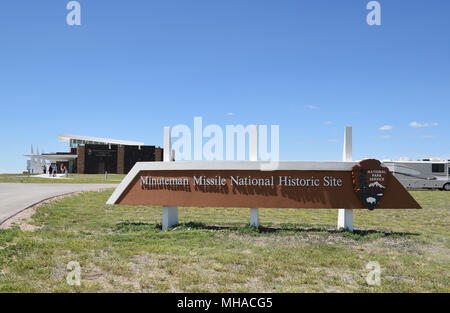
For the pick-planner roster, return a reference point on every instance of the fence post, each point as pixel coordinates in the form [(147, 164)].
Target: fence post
[(170, 213), (345, 216)]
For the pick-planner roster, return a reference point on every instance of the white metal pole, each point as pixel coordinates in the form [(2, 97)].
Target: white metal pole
[(345, 216), (170, 213), (253, 156), (167, 145), (347, 153)]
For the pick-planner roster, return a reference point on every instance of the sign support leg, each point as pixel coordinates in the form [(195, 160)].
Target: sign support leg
[(170, 217), (254, 217), (345, 216), (170, 213), (345, 219), (253, 156)]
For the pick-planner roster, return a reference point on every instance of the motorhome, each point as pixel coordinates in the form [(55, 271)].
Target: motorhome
[(425, 174)]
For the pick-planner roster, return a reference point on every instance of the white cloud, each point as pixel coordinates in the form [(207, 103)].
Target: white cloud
[(333, 140), (328, 122), (386, 127), (311, 107), (418, 125), (230, 113)]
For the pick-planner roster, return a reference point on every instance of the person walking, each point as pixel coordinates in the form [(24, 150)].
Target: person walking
[(50, 170)]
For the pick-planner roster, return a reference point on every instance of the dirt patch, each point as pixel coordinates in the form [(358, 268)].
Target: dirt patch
[(23, 218)]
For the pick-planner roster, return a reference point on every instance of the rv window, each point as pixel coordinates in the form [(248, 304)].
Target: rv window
[(438, 168)]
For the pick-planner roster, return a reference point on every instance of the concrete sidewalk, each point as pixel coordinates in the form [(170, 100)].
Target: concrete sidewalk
[(16, 197)]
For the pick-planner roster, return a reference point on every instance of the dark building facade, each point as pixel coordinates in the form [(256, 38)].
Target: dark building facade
[(94, 155), (98, 159)]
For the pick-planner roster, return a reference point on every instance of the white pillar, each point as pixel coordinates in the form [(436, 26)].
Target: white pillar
[(38, 169), (170, 213), (345, 216), (43, 159), (253, 156), (32, 161), (348, 150), (167, 145)]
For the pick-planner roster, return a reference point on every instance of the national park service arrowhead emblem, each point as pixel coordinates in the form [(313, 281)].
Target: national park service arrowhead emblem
[(370, 180)]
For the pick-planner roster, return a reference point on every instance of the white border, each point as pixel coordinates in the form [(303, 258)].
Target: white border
[(224, 165)]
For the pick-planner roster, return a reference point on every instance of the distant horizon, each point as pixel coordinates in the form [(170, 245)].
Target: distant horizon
[(401, 158)]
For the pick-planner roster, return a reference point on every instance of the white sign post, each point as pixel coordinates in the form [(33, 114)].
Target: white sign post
[(170, 213), (253, 156), (345, 216)]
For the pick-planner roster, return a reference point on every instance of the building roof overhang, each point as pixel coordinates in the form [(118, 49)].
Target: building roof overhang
[(97, 140), (54, 157)]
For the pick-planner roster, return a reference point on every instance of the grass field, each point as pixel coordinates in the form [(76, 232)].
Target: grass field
[(72, 179), (122, 248)]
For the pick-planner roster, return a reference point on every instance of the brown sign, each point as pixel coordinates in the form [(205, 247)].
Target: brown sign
[(370, 181), (256, 189)]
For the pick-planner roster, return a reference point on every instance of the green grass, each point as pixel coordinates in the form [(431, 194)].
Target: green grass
[(73, 179), (122, 248)]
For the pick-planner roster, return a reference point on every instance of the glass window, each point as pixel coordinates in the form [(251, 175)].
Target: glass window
[(438, 168)]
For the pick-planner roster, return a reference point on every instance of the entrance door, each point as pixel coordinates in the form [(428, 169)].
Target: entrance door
[(101, 167)]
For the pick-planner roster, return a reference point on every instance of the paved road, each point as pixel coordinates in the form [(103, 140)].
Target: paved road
[(15, 197)]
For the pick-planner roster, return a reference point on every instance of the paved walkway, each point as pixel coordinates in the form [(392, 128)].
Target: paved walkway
[(16, 197), (58, 176)]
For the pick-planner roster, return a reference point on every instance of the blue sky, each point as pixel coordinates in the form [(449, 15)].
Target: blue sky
[(311, 67)]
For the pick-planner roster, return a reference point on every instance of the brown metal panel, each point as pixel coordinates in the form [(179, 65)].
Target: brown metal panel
[(120, 160), (272, 196), (80, 159)]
